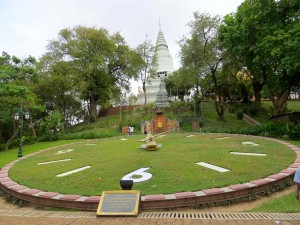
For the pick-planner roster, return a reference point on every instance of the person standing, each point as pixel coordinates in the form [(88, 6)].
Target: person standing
[(129, 130), (297, 181)]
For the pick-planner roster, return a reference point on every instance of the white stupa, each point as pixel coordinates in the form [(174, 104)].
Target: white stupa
[(165, 68)]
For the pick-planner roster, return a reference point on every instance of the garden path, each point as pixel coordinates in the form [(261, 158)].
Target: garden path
[(17, 218)]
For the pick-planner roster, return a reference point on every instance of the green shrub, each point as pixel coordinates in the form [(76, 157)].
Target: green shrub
[(85, 135), (29, 139), (293, 132), (186, 127), (239, 115), (203, 121), (231, 109), (185, 121), (273, 129), (48, 137), (92, 119), (16, 142), (252, 111), (2, 147)]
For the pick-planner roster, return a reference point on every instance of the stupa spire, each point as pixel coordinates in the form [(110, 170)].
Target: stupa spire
[(159, 25), (164, 68), (164, 58)]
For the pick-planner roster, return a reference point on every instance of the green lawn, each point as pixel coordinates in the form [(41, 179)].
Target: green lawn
[(292, 105), (173, 166), (173, 154), (287, 204), (12, 154)]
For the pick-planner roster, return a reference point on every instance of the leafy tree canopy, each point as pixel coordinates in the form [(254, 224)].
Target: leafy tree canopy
[(264, 36), (100, 64)]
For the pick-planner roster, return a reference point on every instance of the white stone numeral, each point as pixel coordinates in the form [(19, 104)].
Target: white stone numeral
[(140, 172), (63, 151)]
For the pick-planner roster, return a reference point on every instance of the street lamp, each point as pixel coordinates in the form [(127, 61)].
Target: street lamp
[(19, 115)]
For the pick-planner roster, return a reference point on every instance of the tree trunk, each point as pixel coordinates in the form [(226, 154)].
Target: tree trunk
[(279, 102), (219, 108), (145, 95), (245, 94), (93, 109), (197, 100), (257, 87), (11, 139), (32, 127), (218, 99)]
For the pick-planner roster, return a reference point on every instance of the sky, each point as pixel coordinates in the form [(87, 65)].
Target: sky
[(27, 26)]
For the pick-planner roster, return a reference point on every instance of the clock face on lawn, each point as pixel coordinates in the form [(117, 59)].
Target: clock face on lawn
[(184, 162)]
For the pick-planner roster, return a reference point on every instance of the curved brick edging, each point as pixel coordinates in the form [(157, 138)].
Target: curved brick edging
[(207, 196)]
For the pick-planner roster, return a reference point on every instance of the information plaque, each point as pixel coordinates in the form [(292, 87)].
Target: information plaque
[(119, 203)]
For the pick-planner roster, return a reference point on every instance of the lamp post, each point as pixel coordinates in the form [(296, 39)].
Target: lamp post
[(23, 113)]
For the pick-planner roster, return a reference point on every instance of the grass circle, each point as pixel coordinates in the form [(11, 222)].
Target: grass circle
[(173, 166)]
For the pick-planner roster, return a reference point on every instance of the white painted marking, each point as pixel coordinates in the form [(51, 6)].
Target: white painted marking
[(139, 172), (210, 166), (73, 171), (248, 153), (190, 136), (250, 143), (123, 139), (64, 151), (62, 160), (221, 138)]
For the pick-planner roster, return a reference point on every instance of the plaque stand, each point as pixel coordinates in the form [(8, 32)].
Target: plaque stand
[(119, 203)]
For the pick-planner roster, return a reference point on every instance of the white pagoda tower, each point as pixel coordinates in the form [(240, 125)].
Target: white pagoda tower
[(165, 67)]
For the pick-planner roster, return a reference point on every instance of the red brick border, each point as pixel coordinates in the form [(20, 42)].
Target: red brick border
[(212, 195)]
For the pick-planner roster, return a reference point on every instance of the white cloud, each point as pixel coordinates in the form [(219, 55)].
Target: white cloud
[(28, 25)]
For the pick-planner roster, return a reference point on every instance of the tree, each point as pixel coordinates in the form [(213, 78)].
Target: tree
[(178, 85), (56, 89), (263, 36), (100, 63), (148, 63), (201, 54), (238, 40), (16, 79)]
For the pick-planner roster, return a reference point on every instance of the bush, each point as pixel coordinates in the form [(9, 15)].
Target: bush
[(294, 132), (203, 122), (49, 137), (252, 111), (2, 147), (29, 139), (273, 129), (276, 130), (185, 121), (239, 115), (231, 109)]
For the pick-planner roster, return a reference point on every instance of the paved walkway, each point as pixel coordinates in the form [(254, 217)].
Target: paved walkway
[(14, 215), (19, 220)]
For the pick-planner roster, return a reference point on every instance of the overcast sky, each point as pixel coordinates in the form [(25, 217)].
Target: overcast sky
[(26, 26)]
